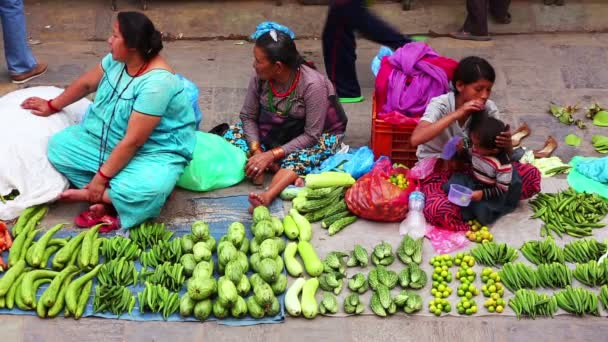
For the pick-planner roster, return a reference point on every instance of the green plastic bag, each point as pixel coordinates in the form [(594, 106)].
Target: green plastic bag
[(216, 164)]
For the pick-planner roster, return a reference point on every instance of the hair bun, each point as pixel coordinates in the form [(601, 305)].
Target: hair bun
[(155, 44)]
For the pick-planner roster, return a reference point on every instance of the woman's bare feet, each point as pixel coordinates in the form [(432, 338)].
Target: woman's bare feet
[(257, 200), (279, 182), (98, 210), (75, 195)]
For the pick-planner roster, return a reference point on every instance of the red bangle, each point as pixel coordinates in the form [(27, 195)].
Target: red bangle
[(103, 175), (50, 104)]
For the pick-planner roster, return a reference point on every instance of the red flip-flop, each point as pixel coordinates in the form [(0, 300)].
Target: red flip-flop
[(111, 223), (86, 219)]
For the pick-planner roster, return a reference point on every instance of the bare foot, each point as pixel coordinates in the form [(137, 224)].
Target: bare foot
[(299, 182), (75, 195), (256, 200), (98, 210)]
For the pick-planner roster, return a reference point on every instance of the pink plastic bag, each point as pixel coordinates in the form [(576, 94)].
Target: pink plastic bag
[(423, 168), (446, 241)]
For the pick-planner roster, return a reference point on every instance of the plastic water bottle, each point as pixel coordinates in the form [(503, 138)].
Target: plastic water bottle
[(414, 224)]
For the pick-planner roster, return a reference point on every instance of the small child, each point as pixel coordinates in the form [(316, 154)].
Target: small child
[(496, 187)]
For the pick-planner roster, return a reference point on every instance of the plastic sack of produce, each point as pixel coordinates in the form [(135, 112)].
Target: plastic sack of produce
[(216, 164), (382, 194)]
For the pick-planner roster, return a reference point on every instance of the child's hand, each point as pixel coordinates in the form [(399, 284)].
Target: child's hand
[(460, 145), (477, 195), (504, 139)]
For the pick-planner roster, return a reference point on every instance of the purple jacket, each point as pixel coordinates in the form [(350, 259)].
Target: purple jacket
[(426, 80)]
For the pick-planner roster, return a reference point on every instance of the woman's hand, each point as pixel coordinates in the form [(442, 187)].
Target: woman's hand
[(97, 187), (477, 196), (257, 164), (38, 106), (504, 139), (468, 108)]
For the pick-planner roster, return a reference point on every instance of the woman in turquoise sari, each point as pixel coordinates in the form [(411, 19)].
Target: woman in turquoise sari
[(137, 136)]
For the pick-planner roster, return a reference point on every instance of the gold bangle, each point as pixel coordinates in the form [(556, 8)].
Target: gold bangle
[(278, 153), (254, 146)]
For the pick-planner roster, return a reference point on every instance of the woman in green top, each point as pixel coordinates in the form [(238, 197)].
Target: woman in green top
[(137, 136)]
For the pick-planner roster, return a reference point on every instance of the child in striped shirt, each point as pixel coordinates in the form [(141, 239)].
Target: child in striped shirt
[(492, 166), (496, 187)]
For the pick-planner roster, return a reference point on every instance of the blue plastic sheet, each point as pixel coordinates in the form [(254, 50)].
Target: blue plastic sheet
[(219, 213)]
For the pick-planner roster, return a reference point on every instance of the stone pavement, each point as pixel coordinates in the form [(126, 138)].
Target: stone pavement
[(232, 18), (532, 70)]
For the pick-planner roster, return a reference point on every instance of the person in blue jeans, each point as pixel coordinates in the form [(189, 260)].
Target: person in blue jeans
[(339, 44), (22, 66)]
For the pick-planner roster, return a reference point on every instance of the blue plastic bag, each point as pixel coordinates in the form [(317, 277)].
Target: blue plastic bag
[(271, 25), (192, 92), (361, 162), (356, 164), (377, 60), (215, 164)]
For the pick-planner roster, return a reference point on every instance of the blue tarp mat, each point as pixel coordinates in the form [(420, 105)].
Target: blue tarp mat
[(219, 213)]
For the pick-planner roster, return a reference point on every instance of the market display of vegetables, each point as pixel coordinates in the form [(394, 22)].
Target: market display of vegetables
[(156, 271), (493, 290), (323, 200), (569, 213), (466, 289), (533, 304), (492, 253), (478, 232), (441, 289), (542, 252)]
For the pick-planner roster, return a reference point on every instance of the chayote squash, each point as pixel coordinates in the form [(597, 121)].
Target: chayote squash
[(263, 230), (241, 258), (239, 309), (200, 231), (254, 260), (219, 310), (263, 294), (243, 286), (201, 252), (233, 271), (255, 309), (200, 289), (186, 306), (187, 243), (280, 285), (227, 253), (269, 249), (236, 233), (260, 213), (268, 270), (187, 260), (226, 291), (203, 309), (277, 225), (204, 269)]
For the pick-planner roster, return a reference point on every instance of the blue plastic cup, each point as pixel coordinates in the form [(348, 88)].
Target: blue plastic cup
[(460, 195)]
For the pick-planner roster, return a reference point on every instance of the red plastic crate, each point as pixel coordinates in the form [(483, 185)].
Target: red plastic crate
[(392, 141)]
